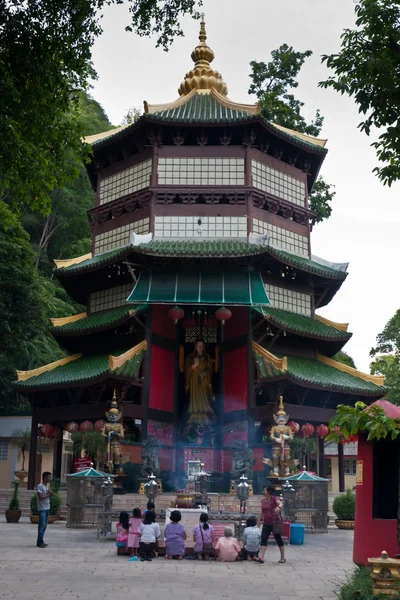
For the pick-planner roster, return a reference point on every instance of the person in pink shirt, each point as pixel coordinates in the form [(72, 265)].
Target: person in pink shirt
[(227, 547)]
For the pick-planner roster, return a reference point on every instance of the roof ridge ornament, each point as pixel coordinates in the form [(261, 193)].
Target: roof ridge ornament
[(202, 76)]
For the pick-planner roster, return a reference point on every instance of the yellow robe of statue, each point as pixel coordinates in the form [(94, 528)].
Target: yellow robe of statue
[(198, 385)]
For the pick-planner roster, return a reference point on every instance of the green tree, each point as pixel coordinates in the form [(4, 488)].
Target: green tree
[(45, 51), (386, 356), (344, 358), (272, 83), (61, 232), (131, 116), (367, 68)]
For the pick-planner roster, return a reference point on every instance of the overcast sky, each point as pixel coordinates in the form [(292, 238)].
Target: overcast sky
[(363, 229)]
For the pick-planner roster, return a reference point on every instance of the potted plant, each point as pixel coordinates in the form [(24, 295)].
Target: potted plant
[(55, 501), (34, 517), (22, 439), (344, 507), (13, 514)]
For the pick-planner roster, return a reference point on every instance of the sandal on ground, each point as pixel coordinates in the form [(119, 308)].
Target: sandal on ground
[(283, 560), (258, 560)]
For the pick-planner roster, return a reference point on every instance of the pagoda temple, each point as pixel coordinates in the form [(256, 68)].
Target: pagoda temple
[(201, 290)]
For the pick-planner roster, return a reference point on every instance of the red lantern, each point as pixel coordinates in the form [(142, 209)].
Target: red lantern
[(72, 427), (295, 427), (57, 433), (176, 314), (322, 430), (46, 430), (223, 314), (307, 429), (98, 426), (86, 426)]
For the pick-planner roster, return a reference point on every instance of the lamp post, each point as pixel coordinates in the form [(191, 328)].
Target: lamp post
[(242, 493), (151, 488), (288, 493)]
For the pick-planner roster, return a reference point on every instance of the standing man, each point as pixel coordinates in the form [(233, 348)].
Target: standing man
[(44, 494)]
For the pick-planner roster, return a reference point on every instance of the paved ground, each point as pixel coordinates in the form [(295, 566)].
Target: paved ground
[(76, 566)]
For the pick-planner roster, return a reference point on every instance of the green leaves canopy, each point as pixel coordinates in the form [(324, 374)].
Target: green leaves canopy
[(352, 420), (387, 357), (368, 69), (271, 84)]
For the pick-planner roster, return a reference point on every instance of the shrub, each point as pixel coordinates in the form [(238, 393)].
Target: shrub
[(358, 585), (344, 506), (33, 505), (14, 502), (55, 503)]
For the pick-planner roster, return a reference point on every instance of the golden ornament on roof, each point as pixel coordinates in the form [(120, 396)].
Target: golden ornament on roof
[(202, 76)]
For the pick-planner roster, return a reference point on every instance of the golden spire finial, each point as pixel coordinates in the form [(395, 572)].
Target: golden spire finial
[(281, 410), (202, 77), (202, 34)]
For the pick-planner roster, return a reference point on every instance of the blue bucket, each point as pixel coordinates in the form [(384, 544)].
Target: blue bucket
[(297, 533)]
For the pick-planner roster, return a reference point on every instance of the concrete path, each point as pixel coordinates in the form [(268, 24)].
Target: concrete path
[(76, 566)]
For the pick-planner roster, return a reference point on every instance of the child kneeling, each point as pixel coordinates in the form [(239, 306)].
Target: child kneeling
[(149, 531)]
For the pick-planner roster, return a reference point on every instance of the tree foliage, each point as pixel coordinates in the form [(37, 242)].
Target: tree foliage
[(29, 296), (45, 51), (367, 68), (345, 359), (131, 116), (352, 420), (272, 83), (161, 18), (386, 356), (44, 61)]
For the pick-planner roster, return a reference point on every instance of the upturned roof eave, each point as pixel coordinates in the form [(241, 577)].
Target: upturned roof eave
[(230, 122), (253, 250), (78, 330), (315, 386)]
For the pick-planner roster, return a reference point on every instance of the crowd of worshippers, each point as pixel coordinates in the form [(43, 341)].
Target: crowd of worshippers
[(138, 536)]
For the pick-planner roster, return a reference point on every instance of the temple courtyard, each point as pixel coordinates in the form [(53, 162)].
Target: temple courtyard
[(75, 565)]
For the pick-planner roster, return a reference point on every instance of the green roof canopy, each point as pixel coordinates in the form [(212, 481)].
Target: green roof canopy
[(90, 473), (306, 476), (312, 373), (203, 287)]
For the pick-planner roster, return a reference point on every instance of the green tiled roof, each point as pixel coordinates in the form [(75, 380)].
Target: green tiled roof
[(86, 369), (303, 325), (95, 262), (98, 321), (205, 249), (314, 373), (206, 109), (203, 108), (309, 265)]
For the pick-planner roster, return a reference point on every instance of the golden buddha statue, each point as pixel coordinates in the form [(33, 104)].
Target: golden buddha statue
[(199, 367), (280, 434), (113, 430)]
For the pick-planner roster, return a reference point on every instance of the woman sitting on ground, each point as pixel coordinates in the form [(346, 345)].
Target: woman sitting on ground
[(149, 531), (202, 537), (175, 536), (227, 547), (252, 539)]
